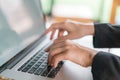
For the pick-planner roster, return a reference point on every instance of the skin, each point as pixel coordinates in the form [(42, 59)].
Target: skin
[(64, 49)]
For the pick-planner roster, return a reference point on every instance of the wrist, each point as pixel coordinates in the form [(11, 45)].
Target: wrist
[(93, 53), (88, 28)]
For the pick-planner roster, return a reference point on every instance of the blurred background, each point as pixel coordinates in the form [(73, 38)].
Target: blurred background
[(103, 11)]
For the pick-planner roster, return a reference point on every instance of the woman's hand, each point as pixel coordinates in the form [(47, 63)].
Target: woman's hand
[(74, 29), (68, 50)]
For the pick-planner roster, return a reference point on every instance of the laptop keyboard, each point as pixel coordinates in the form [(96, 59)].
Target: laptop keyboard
[(37, 65)]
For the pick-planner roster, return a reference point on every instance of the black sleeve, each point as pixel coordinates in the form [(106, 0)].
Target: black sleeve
[(106, 36), (106, 66)]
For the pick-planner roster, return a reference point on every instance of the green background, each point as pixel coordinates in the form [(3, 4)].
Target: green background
[(101, 8)]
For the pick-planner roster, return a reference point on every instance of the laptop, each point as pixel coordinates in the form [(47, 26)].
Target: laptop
[(22, 48)]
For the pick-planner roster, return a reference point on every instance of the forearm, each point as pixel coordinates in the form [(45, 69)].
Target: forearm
[(106, 66)]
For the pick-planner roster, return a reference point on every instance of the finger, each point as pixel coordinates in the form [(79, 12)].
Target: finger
[(56, 41), (47, 31), (53, 47), (51, 28), (55, 26), (47, 49), (60, 33), (57, 59), (55, 52), (56, 45), (52, 35), (63, 38)]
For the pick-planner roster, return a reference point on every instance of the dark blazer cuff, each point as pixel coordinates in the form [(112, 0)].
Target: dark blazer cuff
[(106, 36), (100, 39), (98, 66), (106, 66)]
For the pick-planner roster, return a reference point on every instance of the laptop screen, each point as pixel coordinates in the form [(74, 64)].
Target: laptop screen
[(21, 23)]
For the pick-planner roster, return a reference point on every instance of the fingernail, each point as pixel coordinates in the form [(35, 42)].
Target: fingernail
[(51, 64), (46, 50), (54, 66), (48, 63)]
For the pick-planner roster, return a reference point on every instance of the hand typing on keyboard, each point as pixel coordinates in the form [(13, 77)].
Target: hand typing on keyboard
[(68, 50)]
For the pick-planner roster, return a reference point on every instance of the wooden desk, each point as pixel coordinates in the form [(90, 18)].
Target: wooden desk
[(115, 4), (59, 19)]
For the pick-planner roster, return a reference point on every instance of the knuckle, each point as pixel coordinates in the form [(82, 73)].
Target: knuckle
[(58, 50), (67, 47), (63, 22), (66, 42), (52, 25), (55, 41), (67, 53), (51, 53), (66, 56), (56, 58)]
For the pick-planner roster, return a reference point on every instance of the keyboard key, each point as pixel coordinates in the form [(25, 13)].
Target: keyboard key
[(44, 73), (37, 57), (47, 70), (53, 73), (43, 66), (32, 70), (45, 56), (28, 66), (35, 60), (59, 66), (42, 60), (32, 63), (36, 66), (38, 72), (25, 69), (39, 63), (24, 65), (41, 53), (46, 62)]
